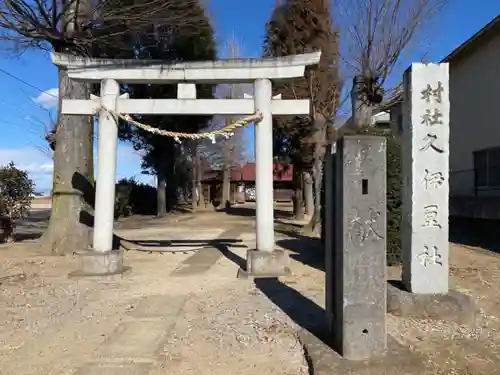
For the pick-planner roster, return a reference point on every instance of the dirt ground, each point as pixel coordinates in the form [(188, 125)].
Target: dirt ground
[(187, 313)]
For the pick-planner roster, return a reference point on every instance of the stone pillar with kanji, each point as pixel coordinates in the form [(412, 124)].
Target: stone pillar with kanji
[(426, 129), (424, 291)]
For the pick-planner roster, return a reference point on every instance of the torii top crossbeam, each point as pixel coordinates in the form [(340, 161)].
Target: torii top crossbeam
[(154, 71)]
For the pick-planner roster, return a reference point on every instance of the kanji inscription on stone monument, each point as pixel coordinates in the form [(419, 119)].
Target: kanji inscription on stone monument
[(430, 256), (425, 166), (432, 180), (430, 142), (431, 213), (361, 229), (437, 94), (432, 117)]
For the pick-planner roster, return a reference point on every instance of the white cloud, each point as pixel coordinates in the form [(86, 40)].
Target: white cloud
[(40, 166), (48, 98)]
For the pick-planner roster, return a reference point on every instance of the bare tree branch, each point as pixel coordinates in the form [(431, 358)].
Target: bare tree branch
[(79, 24), (376, 34)]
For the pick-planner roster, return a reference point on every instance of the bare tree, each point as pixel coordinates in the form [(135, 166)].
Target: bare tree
[(377, 37), (227, 153), (82, 27)]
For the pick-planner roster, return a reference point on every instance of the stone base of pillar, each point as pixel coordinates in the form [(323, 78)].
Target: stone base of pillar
[(100, 264), (452, 306), (265, 264)]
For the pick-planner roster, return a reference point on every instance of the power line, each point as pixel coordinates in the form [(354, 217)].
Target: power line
[(26, 83)]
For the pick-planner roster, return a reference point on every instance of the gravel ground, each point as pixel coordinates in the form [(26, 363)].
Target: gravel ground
[(53, 325), (237, 331)]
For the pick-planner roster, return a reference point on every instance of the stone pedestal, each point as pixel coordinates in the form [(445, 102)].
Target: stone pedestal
[(96, 263), (452, 306), (356, 253), (265, 264)]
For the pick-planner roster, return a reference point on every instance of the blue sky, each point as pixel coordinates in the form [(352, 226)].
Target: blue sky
[(26, 108)]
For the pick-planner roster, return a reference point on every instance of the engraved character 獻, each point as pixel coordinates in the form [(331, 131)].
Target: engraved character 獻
[(436, 93), (430, 118), (433, 180), (429, 142), (361, 230), (430, 216), (430, 256)]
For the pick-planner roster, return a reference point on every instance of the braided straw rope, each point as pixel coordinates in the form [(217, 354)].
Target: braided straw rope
[(226, 130)]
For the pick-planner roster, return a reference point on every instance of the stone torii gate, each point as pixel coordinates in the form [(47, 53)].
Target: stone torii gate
[(265, 260)]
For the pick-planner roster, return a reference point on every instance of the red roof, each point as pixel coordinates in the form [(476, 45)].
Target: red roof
[(247, 173), (281, 172)]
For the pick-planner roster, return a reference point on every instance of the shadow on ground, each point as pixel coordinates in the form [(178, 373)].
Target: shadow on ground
[(481, 233), (250, 211), (165, 245), (304, 249), (235, 258), (299, 308)]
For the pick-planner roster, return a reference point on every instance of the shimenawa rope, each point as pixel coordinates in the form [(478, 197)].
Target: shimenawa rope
[(226, 130)]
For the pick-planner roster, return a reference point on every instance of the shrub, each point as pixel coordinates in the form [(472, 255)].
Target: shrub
[(133, 197), (15, 197)]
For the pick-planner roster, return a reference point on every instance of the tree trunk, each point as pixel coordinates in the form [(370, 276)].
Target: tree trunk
[(308, 193), (161, 194), (199, 179), (320, 135), (298, 196), (194, 175), (172, 191), (226, 188), (71, 220), (315, 223), (7, 230)]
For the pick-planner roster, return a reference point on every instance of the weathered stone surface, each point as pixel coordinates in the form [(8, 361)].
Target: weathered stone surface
[(198, 263), (265, 264), (356, 270), (95, 263), (136, 339), (452, 306), (325, 361), (425, 154), (115, 369)]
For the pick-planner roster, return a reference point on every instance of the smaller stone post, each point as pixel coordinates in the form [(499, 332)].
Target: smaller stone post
[(103, 260), (356, 276), (424, 292)]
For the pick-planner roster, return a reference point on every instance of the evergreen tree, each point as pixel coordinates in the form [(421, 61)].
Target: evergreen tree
[(189, 42), (295, 27)]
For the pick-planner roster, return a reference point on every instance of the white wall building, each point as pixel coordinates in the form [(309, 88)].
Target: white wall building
[(474, 124)]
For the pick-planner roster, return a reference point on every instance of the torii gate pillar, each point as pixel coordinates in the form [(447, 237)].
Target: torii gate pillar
[(264, 261)]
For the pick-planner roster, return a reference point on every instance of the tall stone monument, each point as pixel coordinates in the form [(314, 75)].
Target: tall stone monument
[(425, 148), (356, 247), (424, 292)]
